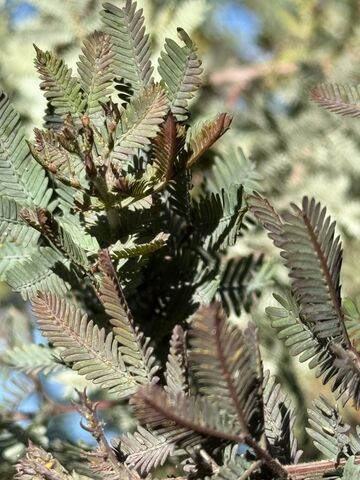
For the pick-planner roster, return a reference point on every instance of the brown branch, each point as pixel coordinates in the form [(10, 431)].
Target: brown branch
[(302, 471)]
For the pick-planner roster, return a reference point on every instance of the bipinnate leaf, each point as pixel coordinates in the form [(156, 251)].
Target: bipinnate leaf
[(21, 178), (313, 255), (13, 229), (167, 145), (227, 367), (140, 122), (37, 273), (266, 214), (217, 218), (96, 71), (145, 451), (341, 99), (209, 133), (329, 432), (88, 349), (131, 44), (279, 422), (187, 421), (176, 373), (120, 250), (330, 361), (61, 89), (133, 345), (180, 68)]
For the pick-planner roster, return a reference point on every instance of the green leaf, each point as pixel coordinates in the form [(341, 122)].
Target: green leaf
[(11, 254), (31, 359), (279, 423), (96, 71), (180, 68), (120, 250), (37, 273), (217, 218), (12, 228), (61, 89), (140, 122), (351, 470), (87, 348), (227, 367), (21, 177), (328, 431), (133, 346), (131, 45), (145, 451)]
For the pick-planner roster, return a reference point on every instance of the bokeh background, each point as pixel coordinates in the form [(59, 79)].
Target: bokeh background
[(261, 57)]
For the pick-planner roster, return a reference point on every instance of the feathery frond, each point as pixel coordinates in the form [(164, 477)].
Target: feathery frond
[(12, 228), (279, 421), (167, 145), (227, 367), (329, 433), (209, 133), (96, 71), (176, 373), (87, 348), (61, 89), (21, 178), (134, 347), (313, 256), (131, 44), (140, 122), (31, 359), (42, 272), (217, 218), (145, 451), (180, 68), (341, 99)]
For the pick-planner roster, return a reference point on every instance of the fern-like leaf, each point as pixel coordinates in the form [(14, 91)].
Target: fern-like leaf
[(188, 421), (96, 71), (145, 451), (180, 68), (330, 434), (266, 214), (31, 359), (313, 256), (120, 250), (21, 177), (167, 145), (279, 422), (227, 367), (140, 122), (217, 218), (45, 223), (176, 374), (87, 348), (61, 89), (341, 99), (12, 228), (131, 44), (235, 282), (134, 347), (38, 273), (210, 132)]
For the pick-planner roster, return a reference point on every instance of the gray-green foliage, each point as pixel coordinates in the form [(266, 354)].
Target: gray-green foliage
[(104, 232)]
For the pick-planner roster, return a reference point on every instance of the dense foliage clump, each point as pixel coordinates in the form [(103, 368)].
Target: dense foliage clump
[(125, 256)]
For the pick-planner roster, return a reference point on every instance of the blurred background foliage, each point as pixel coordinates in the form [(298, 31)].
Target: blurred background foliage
[(261, 58)]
